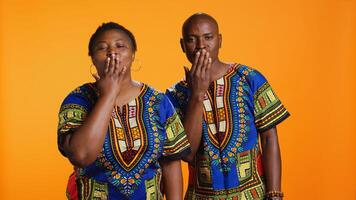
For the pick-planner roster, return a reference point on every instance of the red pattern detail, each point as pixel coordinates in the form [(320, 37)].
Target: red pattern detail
[(254, 193), (132, 111), (128, 155), (219, 90), (262, 102), (72, 188), (220, 136)]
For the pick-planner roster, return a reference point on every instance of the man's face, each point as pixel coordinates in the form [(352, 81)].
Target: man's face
[(201, 34)]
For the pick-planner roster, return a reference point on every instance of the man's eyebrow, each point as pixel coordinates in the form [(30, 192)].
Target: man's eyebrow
[(210, 33)]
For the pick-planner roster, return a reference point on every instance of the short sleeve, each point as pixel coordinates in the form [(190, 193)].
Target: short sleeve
[(178, 95), (268, 109), (176, 143), (72, 113)]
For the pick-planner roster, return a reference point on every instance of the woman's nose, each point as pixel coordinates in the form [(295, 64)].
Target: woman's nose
[(111, 53)]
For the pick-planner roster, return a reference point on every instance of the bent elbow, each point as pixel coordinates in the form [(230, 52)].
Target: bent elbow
[(81, 160), (189, 158)]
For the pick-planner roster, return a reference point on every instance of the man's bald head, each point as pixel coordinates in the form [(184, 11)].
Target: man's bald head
[(198, 17), (201, 32)]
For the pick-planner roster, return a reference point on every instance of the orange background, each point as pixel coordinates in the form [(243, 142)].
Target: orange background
[(305, 48)]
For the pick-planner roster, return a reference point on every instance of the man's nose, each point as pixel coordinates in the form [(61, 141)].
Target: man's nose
[(200, 43)]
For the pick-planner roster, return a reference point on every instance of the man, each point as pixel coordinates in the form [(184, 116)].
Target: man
[(225, 109)]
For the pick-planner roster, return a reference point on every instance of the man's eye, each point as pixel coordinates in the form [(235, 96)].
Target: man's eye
[(190, 40), (208, 37)]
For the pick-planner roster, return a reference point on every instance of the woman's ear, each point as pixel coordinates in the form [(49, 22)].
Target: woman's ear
[(220, 40), (133, 56)]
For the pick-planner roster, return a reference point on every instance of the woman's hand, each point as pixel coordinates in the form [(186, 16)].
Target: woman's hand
[(198, 77), (110, 81)]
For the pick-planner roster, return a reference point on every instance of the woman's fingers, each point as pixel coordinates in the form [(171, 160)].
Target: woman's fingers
[(121, 73), (112, 64), (107, 64), (123, 70), (117, 67)]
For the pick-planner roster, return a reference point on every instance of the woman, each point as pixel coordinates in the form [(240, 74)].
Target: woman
[(122, 136)]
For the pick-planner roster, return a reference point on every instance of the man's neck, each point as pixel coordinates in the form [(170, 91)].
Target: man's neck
[(218, 69)]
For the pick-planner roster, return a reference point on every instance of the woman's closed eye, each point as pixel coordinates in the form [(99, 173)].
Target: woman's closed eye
[(121, 45), (101, 47)]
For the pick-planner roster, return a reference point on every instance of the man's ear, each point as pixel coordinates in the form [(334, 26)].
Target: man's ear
[(182, 44), (220, 40), (92, 60)]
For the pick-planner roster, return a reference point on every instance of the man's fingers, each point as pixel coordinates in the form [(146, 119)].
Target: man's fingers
[(200, 63), (187, 74), (209, 63), (196, 58), (205, 65), (96, 76)]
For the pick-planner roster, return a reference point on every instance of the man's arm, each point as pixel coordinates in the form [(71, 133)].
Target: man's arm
[(172, 179), (198, 79), (271, 159)]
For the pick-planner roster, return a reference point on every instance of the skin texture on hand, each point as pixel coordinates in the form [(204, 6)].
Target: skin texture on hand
[(198, 77), (110, 82)]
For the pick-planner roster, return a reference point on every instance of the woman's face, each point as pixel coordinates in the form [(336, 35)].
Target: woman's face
[(109, 43)]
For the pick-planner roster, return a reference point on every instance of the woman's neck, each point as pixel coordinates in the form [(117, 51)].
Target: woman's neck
[(129, 90)]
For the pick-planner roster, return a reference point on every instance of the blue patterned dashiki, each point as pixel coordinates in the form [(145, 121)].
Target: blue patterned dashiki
[(146, 131), (237, 107)]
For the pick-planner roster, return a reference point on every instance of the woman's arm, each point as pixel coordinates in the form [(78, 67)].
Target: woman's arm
[(84, 145), (172, 179), (271, 159)]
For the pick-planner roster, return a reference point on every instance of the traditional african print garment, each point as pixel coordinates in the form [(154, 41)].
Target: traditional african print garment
[(143, 132), (237, 107)]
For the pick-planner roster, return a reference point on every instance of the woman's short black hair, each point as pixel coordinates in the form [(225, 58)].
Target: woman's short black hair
[(110, 26)]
